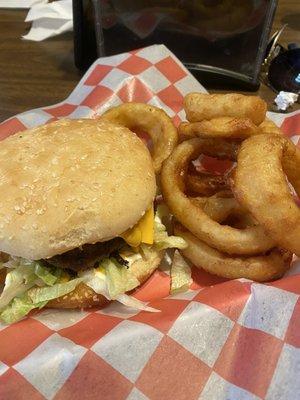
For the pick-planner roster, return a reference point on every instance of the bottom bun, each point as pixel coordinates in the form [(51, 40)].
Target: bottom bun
[(81, 297), (85, 297)]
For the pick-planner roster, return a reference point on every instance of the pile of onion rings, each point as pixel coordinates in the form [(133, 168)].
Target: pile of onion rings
[(244, 223)]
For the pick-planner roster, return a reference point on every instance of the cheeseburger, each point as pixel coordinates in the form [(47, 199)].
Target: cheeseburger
[(78, 226)]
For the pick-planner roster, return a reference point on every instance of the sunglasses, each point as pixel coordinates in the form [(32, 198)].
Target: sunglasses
[(281, 66)]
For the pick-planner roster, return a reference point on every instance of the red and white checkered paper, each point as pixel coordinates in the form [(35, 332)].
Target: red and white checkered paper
[(223, 339)]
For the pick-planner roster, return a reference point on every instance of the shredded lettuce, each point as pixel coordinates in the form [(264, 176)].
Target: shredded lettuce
[(30, 284), (161, 238), (22, 292), (18, 308), (45, 275), (119, 279), (180, 274), (46, 293), (24, 276), (110, 279), (17, 282), (95, 278), (168, 242), (132, 302)]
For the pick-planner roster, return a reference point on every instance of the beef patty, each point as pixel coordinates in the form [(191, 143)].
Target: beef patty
[(86, 256)]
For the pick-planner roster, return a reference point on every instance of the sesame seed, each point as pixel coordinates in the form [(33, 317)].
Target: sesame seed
[(40, 211)]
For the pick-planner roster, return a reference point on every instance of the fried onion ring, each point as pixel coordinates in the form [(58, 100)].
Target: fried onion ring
[(260, 185), (185, 134), (200, 106), (205, 184), (220, 206), (151, 120), (252, 240), (268, 126), (225, 127), (261, 268)]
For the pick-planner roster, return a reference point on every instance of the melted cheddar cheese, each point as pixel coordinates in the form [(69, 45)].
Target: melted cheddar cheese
[(142, 232)]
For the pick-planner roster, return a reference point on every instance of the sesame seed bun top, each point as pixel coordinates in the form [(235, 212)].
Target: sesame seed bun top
[(71, 182)]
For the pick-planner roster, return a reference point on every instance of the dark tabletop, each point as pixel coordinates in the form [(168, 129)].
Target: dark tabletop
[(36, 74)]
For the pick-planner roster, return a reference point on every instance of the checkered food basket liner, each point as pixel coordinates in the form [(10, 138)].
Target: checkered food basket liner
[(222, 339)]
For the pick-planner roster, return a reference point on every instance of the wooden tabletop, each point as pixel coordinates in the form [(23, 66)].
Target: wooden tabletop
[(36, 74)]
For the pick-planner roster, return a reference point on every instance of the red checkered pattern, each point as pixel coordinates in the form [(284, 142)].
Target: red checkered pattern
[(220, 340)]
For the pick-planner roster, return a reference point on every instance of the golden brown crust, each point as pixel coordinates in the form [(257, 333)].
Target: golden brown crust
[(260, 268), (205, 184), (82, 297), (268, 126), (267, 194), (248, 241), (200, 106), (225, 127)]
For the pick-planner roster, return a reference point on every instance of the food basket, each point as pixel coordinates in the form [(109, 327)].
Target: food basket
[(221, 339)]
